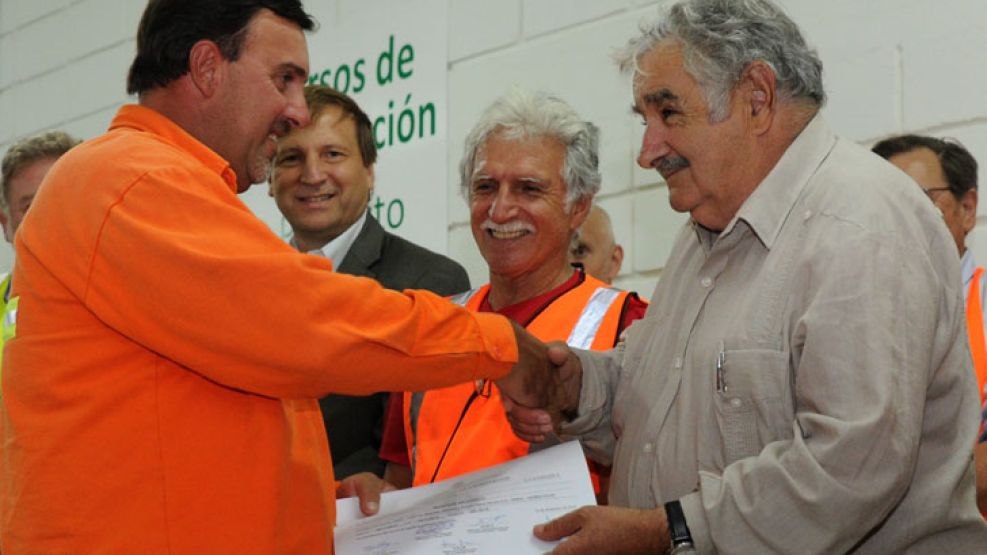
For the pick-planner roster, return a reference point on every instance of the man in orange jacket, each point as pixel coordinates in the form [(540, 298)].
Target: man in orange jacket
[(529, 174), (160, 388)]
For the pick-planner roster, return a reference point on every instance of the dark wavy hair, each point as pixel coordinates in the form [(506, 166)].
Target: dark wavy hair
[(958, 165), (319, 97), (169, 28)]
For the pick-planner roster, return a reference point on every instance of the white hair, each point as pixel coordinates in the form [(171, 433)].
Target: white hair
[(522, 114), (720, 38)]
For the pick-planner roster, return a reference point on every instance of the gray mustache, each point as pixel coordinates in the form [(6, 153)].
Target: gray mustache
[(668, 165)]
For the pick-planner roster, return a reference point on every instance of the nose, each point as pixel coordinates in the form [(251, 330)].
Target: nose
[(296, 111), (312, 172), (654, 145), (503, 208)]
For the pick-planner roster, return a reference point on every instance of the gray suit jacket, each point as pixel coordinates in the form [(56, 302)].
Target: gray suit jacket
[(355, 424)]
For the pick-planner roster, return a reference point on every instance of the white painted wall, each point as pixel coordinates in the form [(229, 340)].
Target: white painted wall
[(890, 66)]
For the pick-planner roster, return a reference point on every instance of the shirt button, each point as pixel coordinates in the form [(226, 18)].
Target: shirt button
[(706, 282), (678, 362), (736, 402), (807, 215), (648, 448)]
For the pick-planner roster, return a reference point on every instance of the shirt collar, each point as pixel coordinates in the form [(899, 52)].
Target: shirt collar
[(337, 249), (142, 118), (767, 208)]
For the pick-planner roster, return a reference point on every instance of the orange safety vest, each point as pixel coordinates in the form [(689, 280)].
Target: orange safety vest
[(587, 317), (975, 331)]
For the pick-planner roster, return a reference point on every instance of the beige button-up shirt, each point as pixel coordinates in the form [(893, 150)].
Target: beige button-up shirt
[(801, 380)]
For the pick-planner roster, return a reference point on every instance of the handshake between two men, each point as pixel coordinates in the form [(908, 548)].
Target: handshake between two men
[(541, 391), (543, 387)]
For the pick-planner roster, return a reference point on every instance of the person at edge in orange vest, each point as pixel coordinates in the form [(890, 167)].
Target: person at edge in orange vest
[(529, 173), (160, 391), (947, 172)]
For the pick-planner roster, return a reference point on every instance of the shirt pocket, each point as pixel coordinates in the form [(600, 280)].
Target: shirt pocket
[(753, 403)]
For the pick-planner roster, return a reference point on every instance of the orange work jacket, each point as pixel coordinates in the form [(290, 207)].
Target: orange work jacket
[(587, 317), (160, 392)]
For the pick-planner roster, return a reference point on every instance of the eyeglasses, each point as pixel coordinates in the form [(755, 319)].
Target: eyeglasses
[(929, 192)]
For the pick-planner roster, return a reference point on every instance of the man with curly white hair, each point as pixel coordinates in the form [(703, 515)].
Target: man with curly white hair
[(529, 172)]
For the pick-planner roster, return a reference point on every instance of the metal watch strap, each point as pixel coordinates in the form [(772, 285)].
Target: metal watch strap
[(677, 527)]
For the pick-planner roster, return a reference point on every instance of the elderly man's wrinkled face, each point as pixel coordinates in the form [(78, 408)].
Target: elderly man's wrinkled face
[(262, 96), (700, 161), (518, 209)]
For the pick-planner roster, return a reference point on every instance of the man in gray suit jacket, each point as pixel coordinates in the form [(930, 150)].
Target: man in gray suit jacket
[(322, 182)]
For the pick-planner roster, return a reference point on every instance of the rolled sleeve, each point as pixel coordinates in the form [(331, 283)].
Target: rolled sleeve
[(592, 426)]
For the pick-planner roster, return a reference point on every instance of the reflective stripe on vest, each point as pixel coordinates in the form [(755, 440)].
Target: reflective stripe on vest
[(9, 324), (588, 315), (464, 297), (584, 333)]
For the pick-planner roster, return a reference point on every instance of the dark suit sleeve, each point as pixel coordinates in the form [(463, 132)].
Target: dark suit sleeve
[(446, 278)]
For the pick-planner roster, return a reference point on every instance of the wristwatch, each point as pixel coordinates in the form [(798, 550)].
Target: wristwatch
[(678, 529)]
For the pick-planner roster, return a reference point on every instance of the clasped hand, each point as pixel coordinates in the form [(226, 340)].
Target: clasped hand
[(542, 389)]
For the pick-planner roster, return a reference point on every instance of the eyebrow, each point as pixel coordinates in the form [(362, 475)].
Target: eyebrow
[(657, 98), (294, 68), (477, 177), (531, 179)]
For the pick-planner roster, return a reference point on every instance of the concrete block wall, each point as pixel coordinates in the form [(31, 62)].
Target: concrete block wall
[(891, 66)]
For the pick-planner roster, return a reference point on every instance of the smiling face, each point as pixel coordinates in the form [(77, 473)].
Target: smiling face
[(518, 210), (262, 96), (704, 164), (320, 182)]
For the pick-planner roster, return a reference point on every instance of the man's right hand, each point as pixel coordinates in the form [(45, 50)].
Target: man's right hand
[(542, 388)]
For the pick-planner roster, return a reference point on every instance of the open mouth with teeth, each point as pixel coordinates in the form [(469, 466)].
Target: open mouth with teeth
[(510, 231), (515, 234), (316, 199)]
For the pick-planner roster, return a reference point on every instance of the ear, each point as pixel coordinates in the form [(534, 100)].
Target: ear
[(969, 204), (206, 65), (618, 260), (4, 220), (580, 210), (758, 83)]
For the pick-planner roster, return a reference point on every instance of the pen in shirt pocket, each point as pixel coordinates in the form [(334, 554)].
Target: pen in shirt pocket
[(721, 384)]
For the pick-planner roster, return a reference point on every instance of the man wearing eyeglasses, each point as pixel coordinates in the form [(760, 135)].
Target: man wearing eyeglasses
[(947, 172)]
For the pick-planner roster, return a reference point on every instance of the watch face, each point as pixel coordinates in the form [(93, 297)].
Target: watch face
[(684, 547)]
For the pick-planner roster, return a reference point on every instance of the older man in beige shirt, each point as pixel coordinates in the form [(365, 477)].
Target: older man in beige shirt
[(801, 382)]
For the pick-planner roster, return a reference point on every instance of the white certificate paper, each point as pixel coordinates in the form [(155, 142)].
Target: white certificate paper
[(490, 511)]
